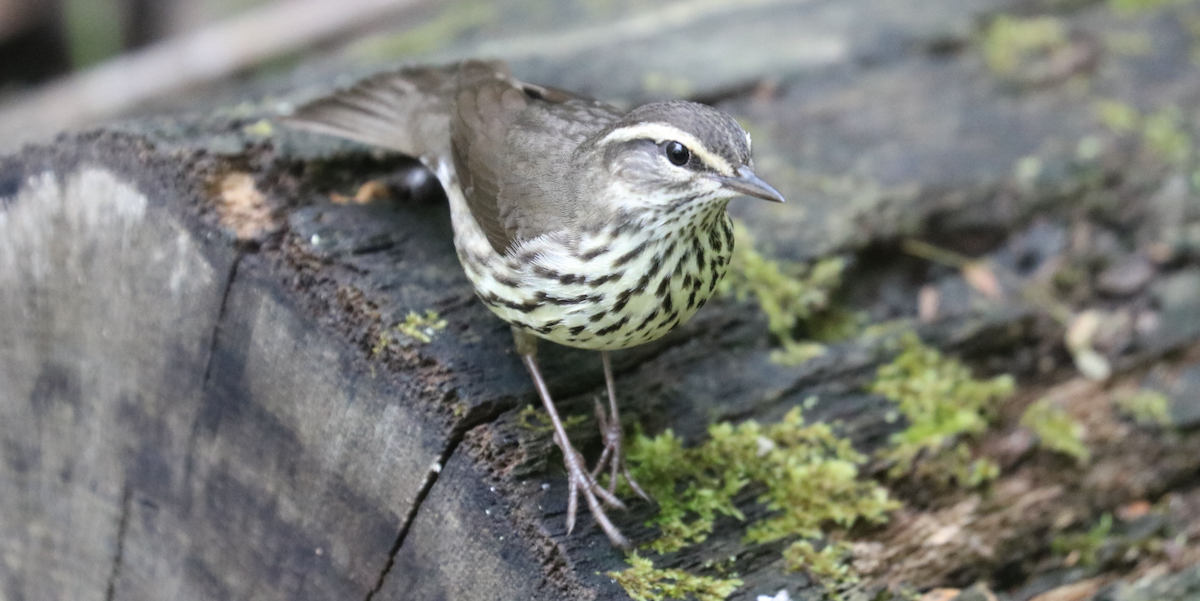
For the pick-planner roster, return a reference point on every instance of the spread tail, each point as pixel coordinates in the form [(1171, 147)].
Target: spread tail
[(406, 110)]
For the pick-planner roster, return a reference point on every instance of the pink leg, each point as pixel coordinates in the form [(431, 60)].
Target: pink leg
[(610, 431), (581, 482)]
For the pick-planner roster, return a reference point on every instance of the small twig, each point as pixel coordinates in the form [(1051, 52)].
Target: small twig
[(1035, 294), (935, 254)]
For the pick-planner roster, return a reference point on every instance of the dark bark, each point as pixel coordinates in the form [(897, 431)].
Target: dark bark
[(196, 402)]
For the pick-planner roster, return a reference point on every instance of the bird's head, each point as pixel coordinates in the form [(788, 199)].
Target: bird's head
[(667, 155)]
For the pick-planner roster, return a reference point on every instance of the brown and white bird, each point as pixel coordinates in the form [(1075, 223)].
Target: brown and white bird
[(574, 221)]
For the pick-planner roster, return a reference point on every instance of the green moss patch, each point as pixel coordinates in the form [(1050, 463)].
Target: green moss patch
[(421, 328), (644, 582), (1084, 546), (1140, 6), (535, 419), (1010, 42), (790, 294), (1056, 429), (1144, 406), (943, 404), (1162, 132), (415, 329), (807, 474), (831, 564)]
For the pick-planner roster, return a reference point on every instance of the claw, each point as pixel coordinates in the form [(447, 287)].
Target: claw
[(572, 503), (580, 481), (602, 419), (634, 485), (611, 434)]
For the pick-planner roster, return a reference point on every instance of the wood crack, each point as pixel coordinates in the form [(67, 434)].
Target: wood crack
[(216, 331), (119, 554), (431, 478), (479, 415), (231, 275)]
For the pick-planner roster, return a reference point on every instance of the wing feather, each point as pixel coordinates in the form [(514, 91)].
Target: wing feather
[(512, 144), (406, 110)]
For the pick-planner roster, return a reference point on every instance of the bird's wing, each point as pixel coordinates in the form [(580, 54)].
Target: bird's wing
[(512, 144), (406, 110), (485, 104)]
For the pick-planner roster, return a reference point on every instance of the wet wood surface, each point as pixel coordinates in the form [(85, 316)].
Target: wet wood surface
[(196, 402)]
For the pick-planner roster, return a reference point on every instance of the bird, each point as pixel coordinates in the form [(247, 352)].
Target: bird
[(574, 221)]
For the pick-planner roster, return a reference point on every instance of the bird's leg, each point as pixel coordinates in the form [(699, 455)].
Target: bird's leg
[(610, 432), (579, 479)]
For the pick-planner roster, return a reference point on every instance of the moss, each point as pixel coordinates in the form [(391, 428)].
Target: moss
[(952, 465), (1085, 546), (1117, 116), (1107, 543), (537, 420), (883, 330), (1028, 170), (942, 404), (1009, 42), (1138, 6), (796, 353), (421, 328), (809, 478), (1146, 407), (1056, 429), (415, 328), (1162, 132), (644, 582), (261, 128), (832, 561), (790, 294), (381, 344)]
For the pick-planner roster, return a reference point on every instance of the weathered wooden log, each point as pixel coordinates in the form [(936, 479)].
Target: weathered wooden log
[(203, 394)]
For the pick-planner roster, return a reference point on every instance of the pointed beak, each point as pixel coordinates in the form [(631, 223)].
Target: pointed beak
[(745, 182)]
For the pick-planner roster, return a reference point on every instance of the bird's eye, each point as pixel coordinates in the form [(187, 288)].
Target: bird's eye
[(677, 153)]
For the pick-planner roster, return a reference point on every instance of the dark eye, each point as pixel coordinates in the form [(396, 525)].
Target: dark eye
[(677, 153)]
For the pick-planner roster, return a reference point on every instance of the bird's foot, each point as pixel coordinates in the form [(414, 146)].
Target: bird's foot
[(612, 457), (582, 482)]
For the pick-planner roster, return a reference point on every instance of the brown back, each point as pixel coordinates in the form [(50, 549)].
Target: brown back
[(511, 143)]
